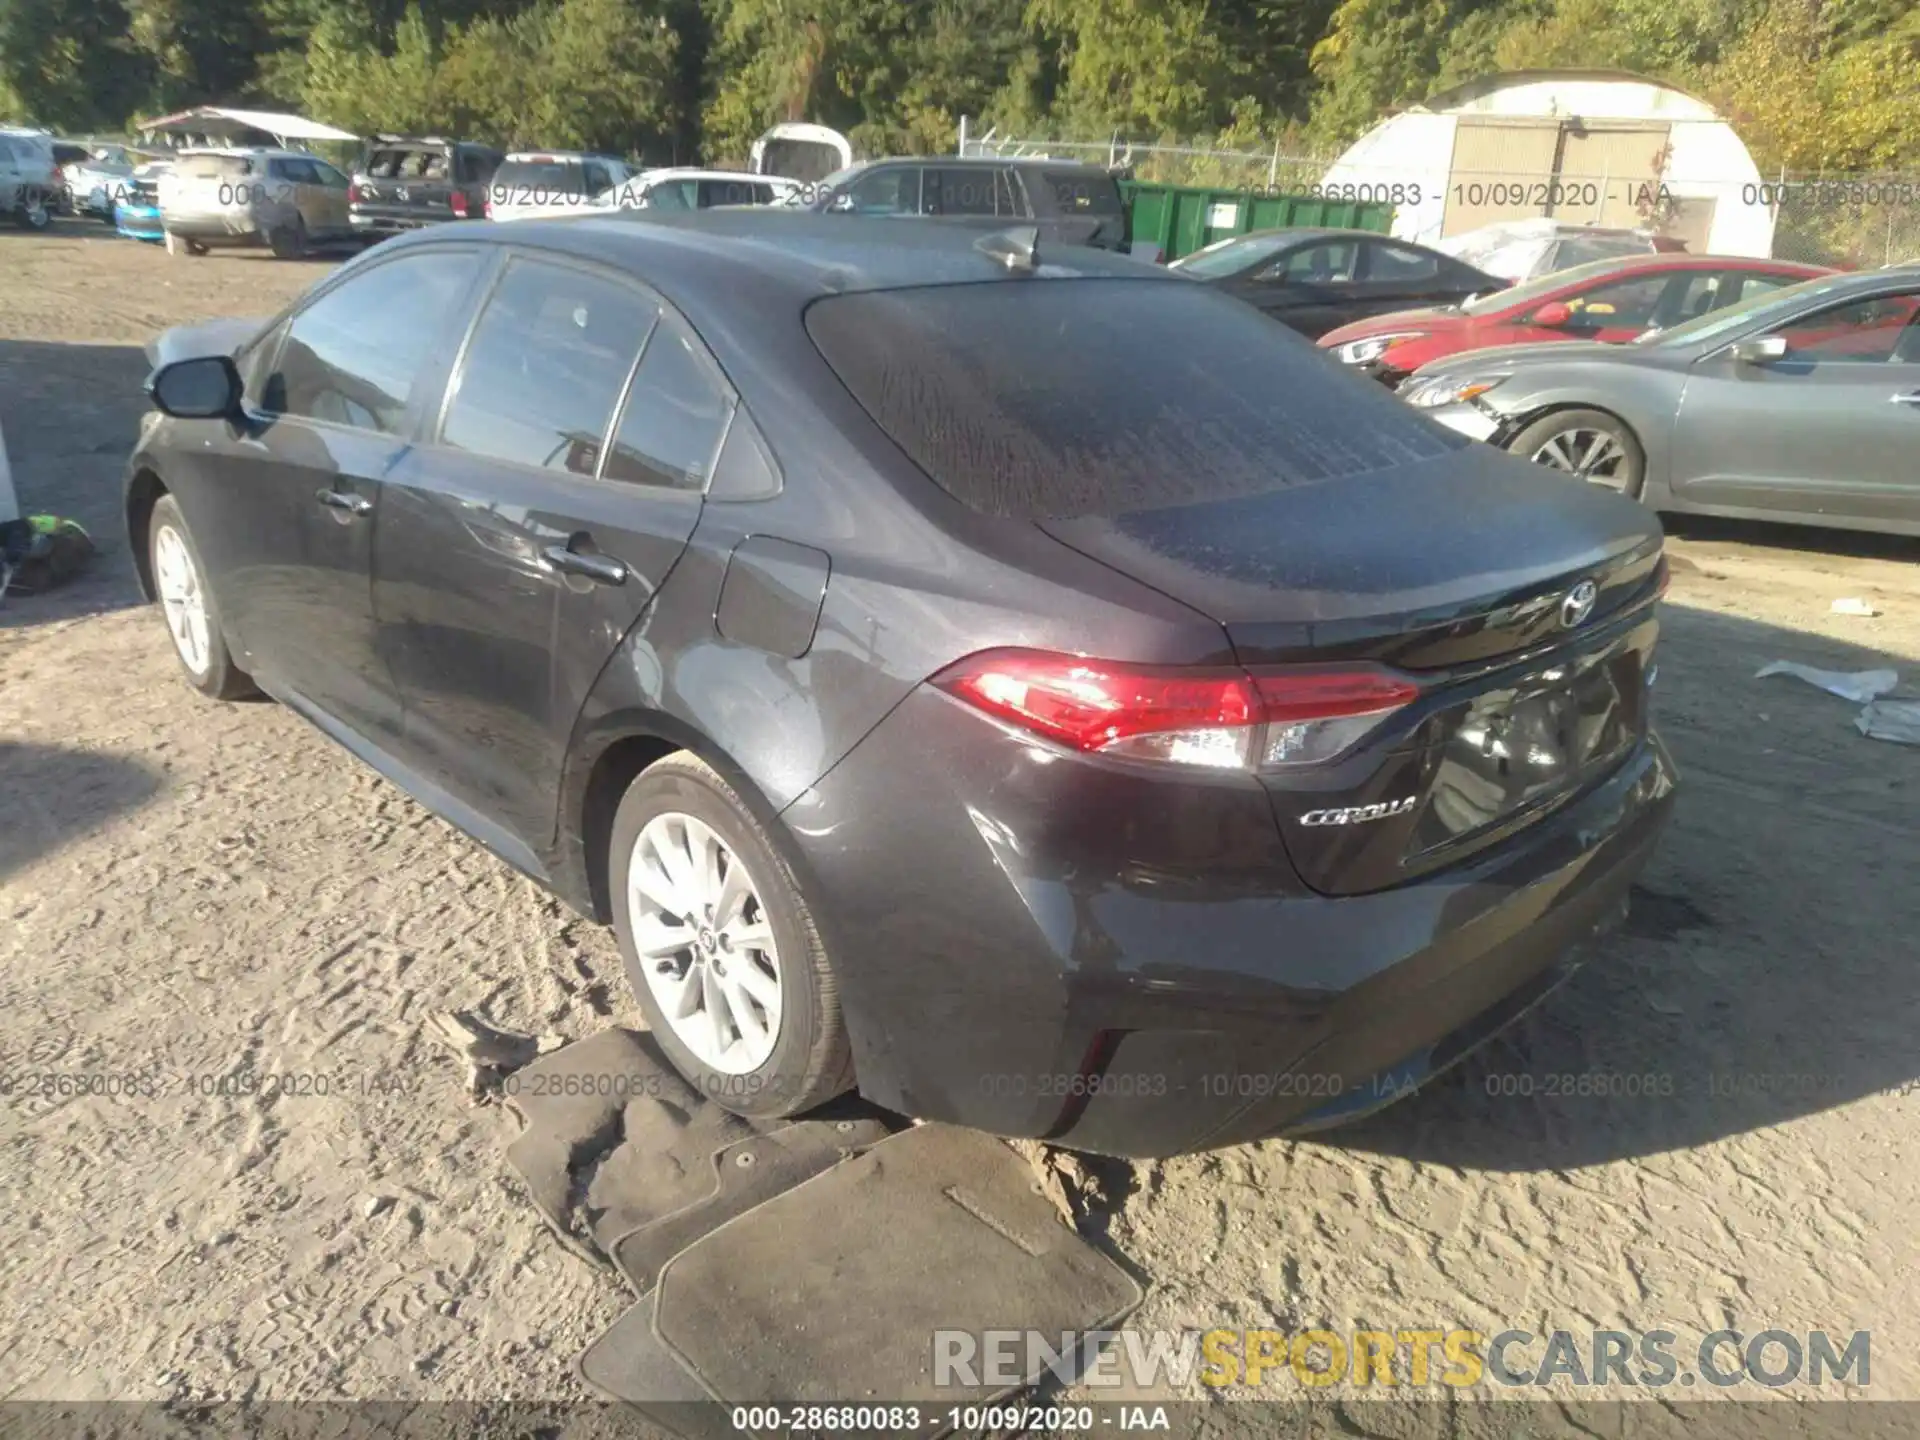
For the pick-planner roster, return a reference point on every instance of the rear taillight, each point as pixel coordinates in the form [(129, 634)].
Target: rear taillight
[(353, 194), (1220, 718), (459, 205)]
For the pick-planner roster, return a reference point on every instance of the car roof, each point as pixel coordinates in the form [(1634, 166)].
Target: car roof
[(982, 162), (700, 258), (1680, 260), (536, 156), (244, 152), (694, 172)]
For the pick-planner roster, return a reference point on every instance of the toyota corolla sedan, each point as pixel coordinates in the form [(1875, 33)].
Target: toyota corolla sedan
[(1031, 688), (1798, 405)]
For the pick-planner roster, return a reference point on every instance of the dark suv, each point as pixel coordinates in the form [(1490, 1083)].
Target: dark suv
[(406, 181), (1070, 203)]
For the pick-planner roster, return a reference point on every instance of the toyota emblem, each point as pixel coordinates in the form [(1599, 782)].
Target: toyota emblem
[(1578, 604)]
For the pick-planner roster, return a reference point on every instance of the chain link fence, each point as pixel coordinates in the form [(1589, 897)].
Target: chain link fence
[(1851, 221)]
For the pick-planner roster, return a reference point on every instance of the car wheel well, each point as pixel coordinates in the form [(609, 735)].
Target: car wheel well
[(1517, 426), (142, 495)]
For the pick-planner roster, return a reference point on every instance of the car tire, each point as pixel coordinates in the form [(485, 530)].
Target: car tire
[(1589, 444), (289, 242), (790, 1051), (186, 602), (34, 215), (180, 245)]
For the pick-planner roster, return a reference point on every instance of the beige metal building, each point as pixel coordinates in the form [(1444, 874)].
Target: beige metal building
[(1588, 147)]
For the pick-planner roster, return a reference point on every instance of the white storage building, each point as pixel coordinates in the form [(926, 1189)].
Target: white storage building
[(1587, 147)]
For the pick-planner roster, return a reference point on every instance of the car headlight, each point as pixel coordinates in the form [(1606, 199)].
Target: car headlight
[(1438, 390), (1364, 352)]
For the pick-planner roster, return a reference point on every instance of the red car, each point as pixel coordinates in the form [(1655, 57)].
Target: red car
[(1612, 300)]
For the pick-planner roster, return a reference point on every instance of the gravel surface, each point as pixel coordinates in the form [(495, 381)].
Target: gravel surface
[(189, 891)]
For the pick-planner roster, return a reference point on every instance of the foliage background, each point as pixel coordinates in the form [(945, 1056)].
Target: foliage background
[(1814, 85)]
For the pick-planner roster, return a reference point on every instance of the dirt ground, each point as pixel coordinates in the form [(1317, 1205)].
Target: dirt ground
[(191, 890)]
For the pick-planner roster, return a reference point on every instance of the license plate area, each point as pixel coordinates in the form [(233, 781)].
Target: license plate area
[(1530, 739)]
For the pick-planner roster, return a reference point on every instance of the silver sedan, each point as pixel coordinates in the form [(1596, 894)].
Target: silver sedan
[(1801, 405)]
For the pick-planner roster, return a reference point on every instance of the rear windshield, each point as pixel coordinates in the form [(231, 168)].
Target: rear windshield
[(214, 167), (1042, 398), (545, 179), (406, 163), (1079, 192)]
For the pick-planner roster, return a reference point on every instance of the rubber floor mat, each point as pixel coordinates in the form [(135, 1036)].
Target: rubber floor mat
[(658, 1221), (833, 1290)]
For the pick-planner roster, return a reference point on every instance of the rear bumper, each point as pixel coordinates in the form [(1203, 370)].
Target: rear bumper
[(394, 224), (226, 227), (1127, 966)]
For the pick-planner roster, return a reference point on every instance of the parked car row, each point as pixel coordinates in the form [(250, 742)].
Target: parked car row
[(1798, 403)]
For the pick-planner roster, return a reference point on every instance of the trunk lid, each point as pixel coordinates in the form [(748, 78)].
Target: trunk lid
[(1454, 571)]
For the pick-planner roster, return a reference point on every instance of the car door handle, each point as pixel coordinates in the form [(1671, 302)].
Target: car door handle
[(602, 569), (346, 500), (1911, 397)]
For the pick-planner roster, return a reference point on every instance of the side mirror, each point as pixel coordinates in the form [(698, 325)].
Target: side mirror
[(204, 388), (1553, 315), (1763, 351)]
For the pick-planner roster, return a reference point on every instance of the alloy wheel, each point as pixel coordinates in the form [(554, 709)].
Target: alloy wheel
[(1594, 455), (178, 580), (705, 943)]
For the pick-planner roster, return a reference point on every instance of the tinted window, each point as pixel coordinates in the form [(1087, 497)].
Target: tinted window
[(1079, 193), (598, 180), (6, 150), (961, 190), (297, 172), (1331, 263), (674, 418), (1396, 262), (545, 366), (351, 356), (892, 191), (733, 192), (1083, 397), (1863, 332), (1230, 257), (521, 182)]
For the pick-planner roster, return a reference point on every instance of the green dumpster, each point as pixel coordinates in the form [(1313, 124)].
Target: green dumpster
[(1176, 220)]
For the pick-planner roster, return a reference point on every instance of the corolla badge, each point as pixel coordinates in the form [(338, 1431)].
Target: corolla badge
[(1358, 814), (1578, 604)]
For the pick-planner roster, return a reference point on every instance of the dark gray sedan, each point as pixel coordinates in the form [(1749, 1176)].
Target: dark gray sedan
[(1800, 405), (1046, 694)]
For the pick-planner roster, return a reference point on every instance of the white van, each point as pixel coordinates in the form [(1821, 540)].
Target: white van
[(29, 177)]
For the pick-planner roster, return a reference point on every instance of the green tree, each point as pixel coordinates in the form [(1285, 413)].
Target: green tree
[(70, 64)]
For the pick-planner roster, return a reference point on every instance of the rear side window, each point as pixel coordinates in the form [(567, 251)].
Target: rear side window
[(733, 192), (521, 182), (1396, 262), (1078, 192), (545, 367), (675, 416), (215, 167), (1036, 398), (352, 355), (965, 190)]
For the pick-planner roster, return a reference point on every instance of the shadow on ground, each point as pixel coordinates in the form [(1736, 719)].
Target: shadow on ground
[(71, 415), (1766, 971), (51, 795)]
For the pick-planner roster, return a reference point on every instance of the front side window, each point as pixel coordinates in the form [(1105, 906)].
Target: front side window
[(545, 367), (1330, 263), (675, 417), (1866, 332), (351, 357), (892, 191), (1624, 304)]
